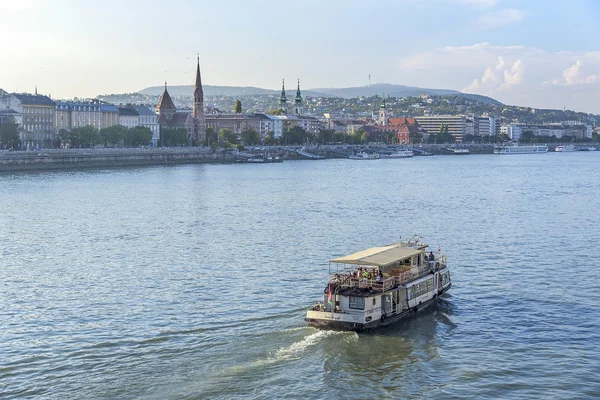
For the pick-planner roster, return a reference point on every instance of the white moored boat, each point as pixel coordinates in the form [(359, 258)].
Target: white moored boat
[(401, 154), (520, 149), (458, 151), (380, 286), (363, 155), (565, 148)]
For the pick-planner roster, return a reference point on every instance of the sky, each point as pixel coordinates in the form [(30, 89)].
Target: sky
[(536, 53)]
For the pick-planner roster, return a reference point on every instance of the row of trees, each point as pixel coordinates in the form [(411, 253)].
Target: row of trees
[(88, 136), (9, 134), (529, 138)]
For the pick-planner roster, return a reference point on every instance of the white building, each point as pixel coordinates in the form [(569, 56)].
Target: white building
[(457, 124), (485, 126), (512, 131), (12, 105), (149, 119), (128, 117)]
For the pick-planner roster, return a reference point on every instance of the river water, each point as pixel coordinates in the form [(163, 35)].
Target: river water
[(191, 282)]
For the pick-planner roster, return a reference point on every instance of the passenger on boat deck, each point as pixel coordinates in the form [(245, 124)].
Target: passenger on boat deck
[(379, 278), (366, 274), (431, 256)]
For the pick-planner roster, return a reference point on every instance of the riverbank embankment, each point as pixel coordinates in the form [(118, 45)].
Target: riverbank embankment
[(48, 159)]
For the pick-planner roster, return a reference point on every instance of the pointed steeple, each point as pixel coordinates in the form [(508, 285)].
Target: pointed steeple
[(298, 99), (382, 106), (36, 90), (282, 98), (198, 92)]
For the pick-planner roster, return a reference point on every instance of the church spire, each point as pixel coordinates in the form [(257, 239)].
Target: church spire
[(298, 99), (198, 92), (282, 98)]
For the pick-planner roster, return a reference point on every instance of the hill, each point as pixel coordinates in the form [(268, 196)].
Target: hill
[(232, 91), (347, 93), (399, 91)]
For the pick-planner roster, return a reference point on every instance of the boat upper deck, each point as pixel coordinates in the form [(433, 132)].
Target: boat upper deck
[(380, 269)]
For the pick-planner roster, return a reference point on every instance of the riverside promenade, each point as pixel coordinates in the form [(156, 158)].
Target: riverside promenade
[(48, 159)]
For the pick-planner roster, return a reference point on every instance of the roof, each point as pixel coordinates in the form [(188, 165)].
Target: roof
[(34, 99), (379, 256), (108, 108), (402, 121), (143, 110), (165, 102), (128, 112)]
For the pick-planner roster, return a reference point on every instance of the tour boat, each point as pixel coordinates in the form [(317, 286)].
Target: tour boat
[(512, 149), (401, 154), (380, 286), (565, 148), (363, 155)]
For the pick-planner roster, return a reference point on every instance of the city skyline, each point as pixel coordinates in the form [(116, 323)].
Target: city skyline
[(504, 49)]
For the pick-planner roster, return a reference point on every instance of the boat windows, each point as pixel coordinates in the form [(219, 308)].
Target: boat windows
[(357, 303), (374, 301)]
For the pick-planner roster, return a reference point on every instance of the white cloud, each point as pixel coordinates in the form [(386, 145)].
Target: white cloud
[(499, 18), (479, 3), (514, 76), (497, 78), (576, 75), (520, 75)]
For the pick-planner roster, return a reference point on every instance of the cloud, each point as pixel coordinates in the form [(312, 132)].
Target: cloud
[(479, 3), (516, 74), (575, 75), (499, 18), (498, 78)]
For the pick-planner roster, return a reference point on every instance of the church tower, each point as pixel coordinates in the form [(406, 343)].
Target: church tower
[(283, 99), (165, 107), (298, 107), (383, 116), (198, 113)]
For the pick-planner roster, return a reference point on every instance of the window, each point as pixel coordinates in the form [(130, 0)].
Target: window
[(374, 301), (357, 303)]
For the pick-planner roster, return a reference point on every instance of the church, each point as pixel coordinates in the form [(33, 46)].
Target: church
[(194, 122)]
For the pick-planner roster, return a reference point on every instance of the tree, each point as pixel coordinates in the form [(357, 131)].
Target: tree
[(295, 135), (9, 134), (270, 139), (113, 134), (238, 107), (173, 137), (325, 136), (228, 135), (250, 137), (527, 137), (138, 136), (277, 111), (84, 136), (211, 136)]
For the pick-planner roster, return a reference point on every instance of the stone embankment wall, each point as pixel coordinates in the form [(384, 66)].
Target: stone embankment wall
[(100, 158)]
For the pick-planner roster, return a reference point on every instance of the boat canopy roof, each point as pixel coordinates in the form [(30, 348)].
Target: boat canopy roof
[(379, 256)]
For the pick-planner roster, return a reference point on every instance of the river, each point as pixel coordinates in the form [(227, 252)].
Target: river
[(192, 281)]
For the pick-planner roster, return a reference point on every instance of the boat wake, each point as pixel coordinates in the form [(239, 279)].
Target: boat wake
[(294, 351)]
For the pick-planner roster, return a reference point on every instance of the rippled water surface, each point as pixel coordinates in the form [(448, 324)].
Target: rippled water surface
[(191, 282)]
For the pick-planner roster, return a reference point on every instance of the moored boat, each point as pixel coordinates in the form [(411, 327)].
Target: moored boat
[(380, 286), (515, 149), (400, 154), (565, 148), (363, 155), (458, 151)]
